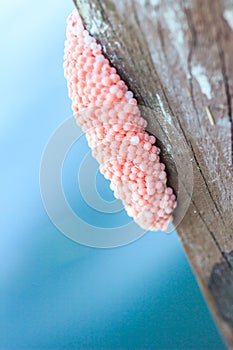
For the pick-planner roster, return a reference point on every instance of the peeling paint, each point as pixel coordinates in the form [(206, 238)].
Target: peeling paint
[(228, 15), (199, 74), (165, 114)]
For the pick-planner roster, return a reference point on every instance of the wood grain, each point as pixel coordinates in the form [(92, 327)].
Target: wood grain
[(176, 56)]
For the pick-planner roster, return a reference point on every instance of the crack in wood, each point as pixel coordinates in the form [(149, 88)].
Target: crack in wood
[(160, 32), (227, 91), (192, 45), (207, 186)]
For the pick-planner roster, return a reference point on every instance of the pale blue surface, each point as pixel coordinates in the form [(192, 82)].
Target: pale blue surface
[(56, 294)]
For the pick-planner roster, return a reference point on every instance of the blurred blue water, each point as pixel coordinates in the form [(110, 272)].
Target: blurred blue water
[(56, 294), (77, 200)]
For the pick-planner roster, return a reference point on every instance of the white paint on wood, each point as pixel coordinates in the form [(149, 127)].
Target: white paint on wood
[(175, 23), (201, 77), (165, 114), (228, 15), (97, 25), (147, 2)]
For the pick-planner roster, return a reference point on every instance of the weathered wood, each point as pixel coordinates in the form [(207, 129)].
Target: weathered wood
[(176, 56)]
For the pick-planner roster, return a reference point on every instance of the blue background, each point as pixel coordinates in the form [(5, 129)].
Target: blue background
[(56, 294)]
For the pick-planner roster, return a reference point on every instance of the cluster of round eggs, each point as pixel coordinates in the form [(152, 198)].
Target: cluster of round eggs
[(109, 115)]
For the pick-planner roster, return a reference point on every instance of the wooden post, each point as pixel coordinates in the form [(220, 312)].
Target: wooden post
[(177, 58)]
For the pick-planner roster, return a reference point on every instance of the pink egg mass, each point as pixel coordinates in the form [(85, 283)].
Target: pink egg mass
[(109, 115)]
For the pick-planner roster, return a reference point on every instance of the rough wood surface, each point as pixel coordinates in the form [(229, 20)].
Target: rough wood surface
[(177, 58)]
